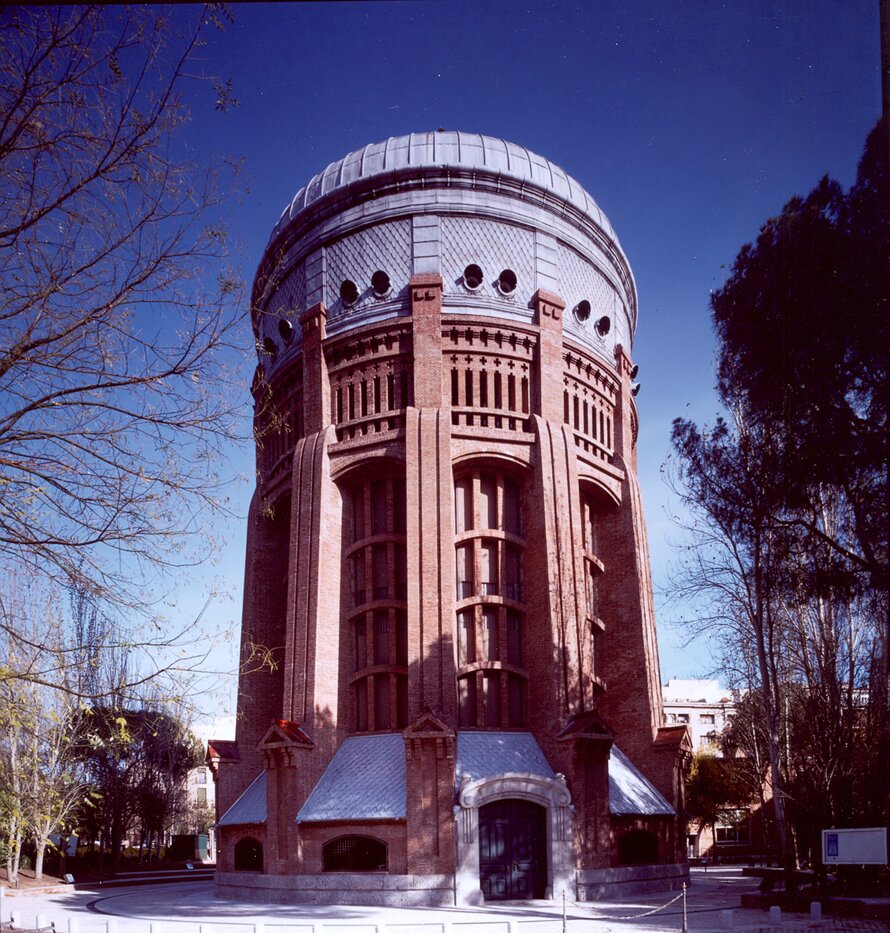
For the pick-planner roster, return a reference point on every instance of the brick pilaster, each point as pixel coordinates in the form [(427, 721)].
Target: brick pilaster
[(316, 386), (429, 762), (430, 497), (426, 314), (312, 652), (548, 316)]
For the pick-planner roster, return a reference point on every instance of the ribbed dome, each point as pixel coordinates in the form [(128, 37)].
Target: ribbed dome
[(444, 148)]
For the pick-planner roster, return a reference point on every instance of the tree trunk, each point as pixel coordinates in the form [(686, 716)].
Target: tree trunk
[(39, 854), (771, 698)]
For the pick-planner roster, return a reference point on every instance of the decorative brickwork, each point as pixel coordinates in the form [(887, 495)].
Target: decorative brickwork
[(448, 627)]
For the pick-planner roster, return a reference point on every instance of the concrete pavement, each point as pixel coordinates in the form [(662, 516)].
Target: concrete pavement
[(192, 908)]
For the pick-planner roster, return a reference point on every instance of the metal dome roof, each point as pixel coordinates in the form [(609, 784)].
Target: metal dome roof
[(445, 148)]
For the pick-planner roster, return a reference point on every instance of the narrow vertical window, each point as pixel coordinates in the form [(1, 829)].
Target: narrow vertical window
[(380, 564), (464, 568), (466, 635), (489, 568), (512, 522), (382, 717), (466, 700), (489, 624), (488, 501), (514, 638), (491, 700), (490, 634), (378, 507), (381, 636)]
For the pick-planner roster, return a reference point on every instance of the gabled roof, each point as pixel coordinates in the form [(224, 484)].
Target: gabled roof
[(586, 725), (673, 737), (222, 748), (427, 725), (630, 793), (250, 807), (364, 781), (283, 732)]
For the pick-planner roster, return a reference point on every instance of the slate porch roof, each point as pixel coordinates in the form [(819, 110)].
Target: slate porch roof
[(485, 754), (366, 779), (250, 807), (631, 794)]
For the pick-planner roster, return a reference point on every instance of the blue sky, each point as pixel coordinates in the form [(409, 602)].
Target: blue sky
[(689, 122)]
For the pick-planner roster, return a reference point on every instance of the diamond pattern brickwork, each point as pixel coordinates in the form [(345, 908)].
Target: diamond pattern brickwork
[(491, 245), (358, 257), (580, 280), (288, 300)]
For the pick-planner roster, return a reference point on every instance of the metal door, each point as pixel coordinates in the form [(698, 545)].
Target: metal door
[(512, 850)]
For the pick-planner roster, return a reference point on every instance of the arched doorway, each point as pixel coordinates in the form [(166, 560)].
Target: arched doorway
[(512, 850), (248, 855)]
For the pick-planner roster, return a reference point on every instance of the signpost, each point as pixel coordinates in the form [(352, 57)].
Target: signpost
[(854, 846)]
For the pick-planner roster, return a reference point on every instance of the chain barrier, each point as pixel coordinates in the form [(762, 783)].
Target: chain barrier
[(603, 916), (646, 913)]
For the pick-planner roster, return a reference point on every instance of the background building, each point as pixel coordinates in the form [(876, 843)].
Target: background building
[(702, 705), (446, 563), (707, 710)]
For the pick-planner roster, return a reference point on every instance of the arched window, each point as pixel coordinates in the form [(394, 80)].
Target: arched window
[(375, 568), (638, 847), (489, 547), (354, 853), (248, 855)]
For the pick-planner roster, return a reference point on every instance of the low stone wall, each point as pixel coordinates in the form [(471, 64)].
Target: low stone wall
[(385, 890), (595, 884), (369, 889)]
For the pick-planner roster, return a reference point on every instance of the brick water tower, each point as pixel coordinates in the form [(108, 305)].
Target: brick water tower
[(450, 685)]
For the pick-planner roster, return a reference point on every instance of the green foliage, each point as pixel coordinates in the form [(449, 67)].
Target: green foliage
[(713, 786), (789, 496), (138, 760), (803, 324)]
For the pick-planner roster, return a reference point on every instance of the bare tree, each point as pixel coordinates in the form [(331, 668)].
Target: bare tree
[(734, 563), (118, 313)]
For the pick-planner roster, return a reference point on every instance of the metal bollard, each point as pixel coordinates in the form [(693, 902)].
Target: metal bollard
[(727, 919), (775, 914), (815, 910), (259, 928), (111, 925), (74, 925)]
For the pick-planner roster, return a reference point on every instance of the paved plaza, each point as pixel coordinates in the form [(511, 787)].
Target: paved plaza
[(192, 908)]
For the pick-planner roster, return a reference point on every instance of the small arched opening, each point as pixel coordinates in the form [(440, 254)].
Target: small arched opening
[(354, 853), (638, 847), (248, 855)]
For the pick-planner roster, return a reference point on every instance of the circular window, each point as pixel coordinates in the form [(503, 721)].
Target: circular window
[(348, 292), (286, 329), (472, 277), (603, 325), (381, 284), (507, 282), (582, 311)]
